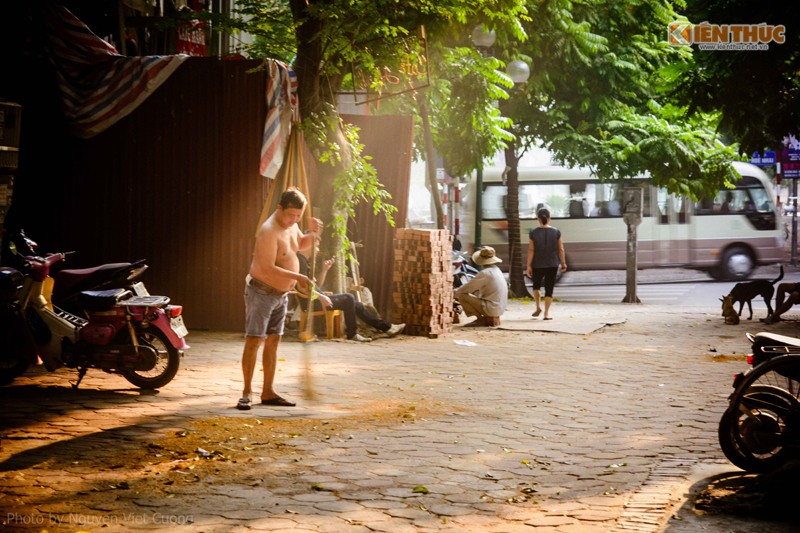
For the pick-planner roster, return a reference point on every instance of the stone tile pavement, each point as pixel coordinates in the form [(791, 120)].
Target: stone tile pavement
[(480, 430)]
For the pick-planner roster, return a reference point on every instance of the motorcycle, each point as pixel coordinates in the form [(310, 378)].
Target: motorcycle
[(68, 284), (760, 429), (125, 331), (463, 271)]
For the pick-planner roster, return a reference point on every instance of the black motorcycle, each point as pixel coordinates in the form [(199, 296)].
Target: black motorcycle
[(463, 271), (760, 429)]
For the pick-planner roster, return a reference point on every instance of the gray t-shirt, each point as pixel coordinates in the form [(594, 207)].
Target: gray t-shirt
[(490, 286)]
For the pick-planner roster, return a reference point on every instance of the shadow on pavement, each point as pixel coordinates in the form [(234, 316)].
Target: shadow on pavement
[(54, 401), (64, 453), (736, 501)]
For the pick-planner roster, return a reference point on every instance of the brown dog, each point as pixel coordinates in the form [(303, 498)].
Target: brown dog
[(728, 311)]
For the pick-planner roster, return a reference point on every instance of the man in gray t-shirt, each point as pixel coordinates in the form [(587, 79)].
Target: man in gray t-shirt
[(486, 295)]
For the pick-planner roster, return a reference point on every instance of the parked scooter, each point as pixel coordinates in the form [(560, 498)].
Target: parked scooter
[(463, 271), (126, 332), (760, 429), (69, 283)]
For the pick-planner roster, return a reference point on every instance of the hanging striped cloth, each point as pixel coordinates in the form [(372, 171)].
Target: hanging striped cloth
[(98, 85), (282, 111)]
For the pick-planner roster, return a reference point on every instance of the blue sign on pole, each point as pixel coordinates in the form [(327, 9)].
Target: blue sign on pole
[(765, 160)]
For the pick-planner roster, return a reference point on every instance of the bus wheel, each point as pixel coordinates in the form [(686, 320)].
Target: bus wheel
[(737, 263)]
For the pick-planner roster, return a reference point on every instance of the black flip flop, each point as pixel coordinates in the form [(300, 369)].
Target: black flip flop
[(278, 401)]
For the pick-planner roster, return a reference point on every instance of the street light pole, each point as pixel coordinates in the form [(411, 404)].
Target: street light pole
[(483, 40)]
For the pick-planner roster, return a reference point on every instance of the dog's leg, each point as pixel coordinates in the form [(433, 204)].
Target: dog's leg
[(750, 308), (741, 306)]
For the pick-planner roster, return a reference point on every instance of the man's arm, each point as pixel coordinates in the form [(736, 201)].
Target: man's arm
[(324, 268), (306, 241)]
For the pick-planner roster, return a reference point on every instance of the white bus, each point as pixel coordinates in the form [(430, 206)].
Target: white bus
[(727, 235)]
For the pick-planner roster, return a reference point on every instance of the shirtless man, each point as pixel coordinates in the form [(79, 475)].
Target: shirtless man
[(274, 272)]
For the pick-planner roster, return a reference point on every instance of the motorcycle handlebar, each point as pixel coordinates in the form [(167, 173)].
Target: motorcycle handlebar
[(40, 266)]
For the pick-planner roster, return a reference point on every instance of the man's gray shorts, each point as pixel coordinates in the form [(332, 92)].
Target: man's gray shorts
[(264, 312)]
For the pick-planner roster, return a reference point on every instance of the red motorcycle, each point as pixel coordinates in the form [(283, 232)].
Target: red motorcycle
[(70, 283), (124, 331)]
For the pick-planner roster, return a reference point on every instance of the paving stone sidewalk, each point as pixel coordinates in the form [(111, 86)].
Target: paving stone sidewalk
[(481, 430)]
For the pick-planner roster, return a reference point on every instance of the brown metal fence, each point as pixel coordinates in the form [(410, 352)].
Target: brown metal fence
[(177, 183)]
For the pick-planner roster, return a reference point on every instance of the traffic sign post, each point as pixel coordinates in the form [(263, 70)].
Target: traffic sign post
[(790, 168)]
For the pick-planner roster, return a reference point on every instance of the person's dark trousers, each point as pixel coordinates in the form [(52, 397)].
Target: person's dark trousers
[(347, 303)]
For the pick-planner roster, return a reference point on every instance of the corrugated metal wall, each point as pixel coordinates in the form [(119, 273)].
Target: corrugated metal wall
[(389, 140), (185, 171), (177, 183)]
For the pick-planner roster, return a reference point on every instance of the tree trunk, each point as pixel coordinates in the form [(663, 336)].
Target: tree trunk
[(632, 215), (516, 273), (430, 160), (317, 98)]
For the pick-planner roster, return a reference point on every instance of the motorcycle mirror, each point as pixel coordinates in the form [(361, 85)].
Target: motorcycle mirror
[(30, 243)]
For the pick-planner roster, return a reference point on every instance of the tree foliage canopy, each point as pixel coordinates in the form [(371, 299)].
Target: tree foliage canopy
[(756, 91), (598, 95), (606, 89)]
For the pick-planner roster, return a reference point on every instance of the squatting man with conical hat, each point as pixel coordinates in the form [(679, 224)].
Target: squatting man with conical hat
[(486, 295)]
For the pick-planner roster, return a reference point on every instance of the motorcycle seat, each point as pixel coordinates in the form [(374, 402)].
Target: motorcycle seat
[(68, 281), (783, 340), (102, 300)]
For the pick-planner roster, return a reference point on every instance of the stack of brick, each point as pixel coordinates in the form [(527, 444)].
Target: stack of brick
[(422, 283)]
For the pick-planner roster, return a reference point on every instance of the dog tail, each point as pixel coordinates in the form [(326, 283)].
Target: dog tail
[(776, 280)]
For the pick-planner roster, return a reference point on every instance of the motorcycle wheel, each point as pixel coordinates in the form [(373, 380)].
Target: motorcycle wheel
[(759, 430), (12, 365), (750, 439), (167, 361), (13, 359)]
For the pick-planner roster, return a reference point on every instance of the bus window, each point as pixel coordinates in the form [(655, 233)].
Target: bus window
[(672, 208), (493, 201), (555, 197), (761, 200), (731, 201), (604, 199), (749, 196), (531, 199)]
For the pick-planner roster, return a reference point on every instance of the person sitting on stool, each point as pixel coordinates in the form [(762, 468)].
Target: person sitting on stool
[(486, 295), (346, 303)]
